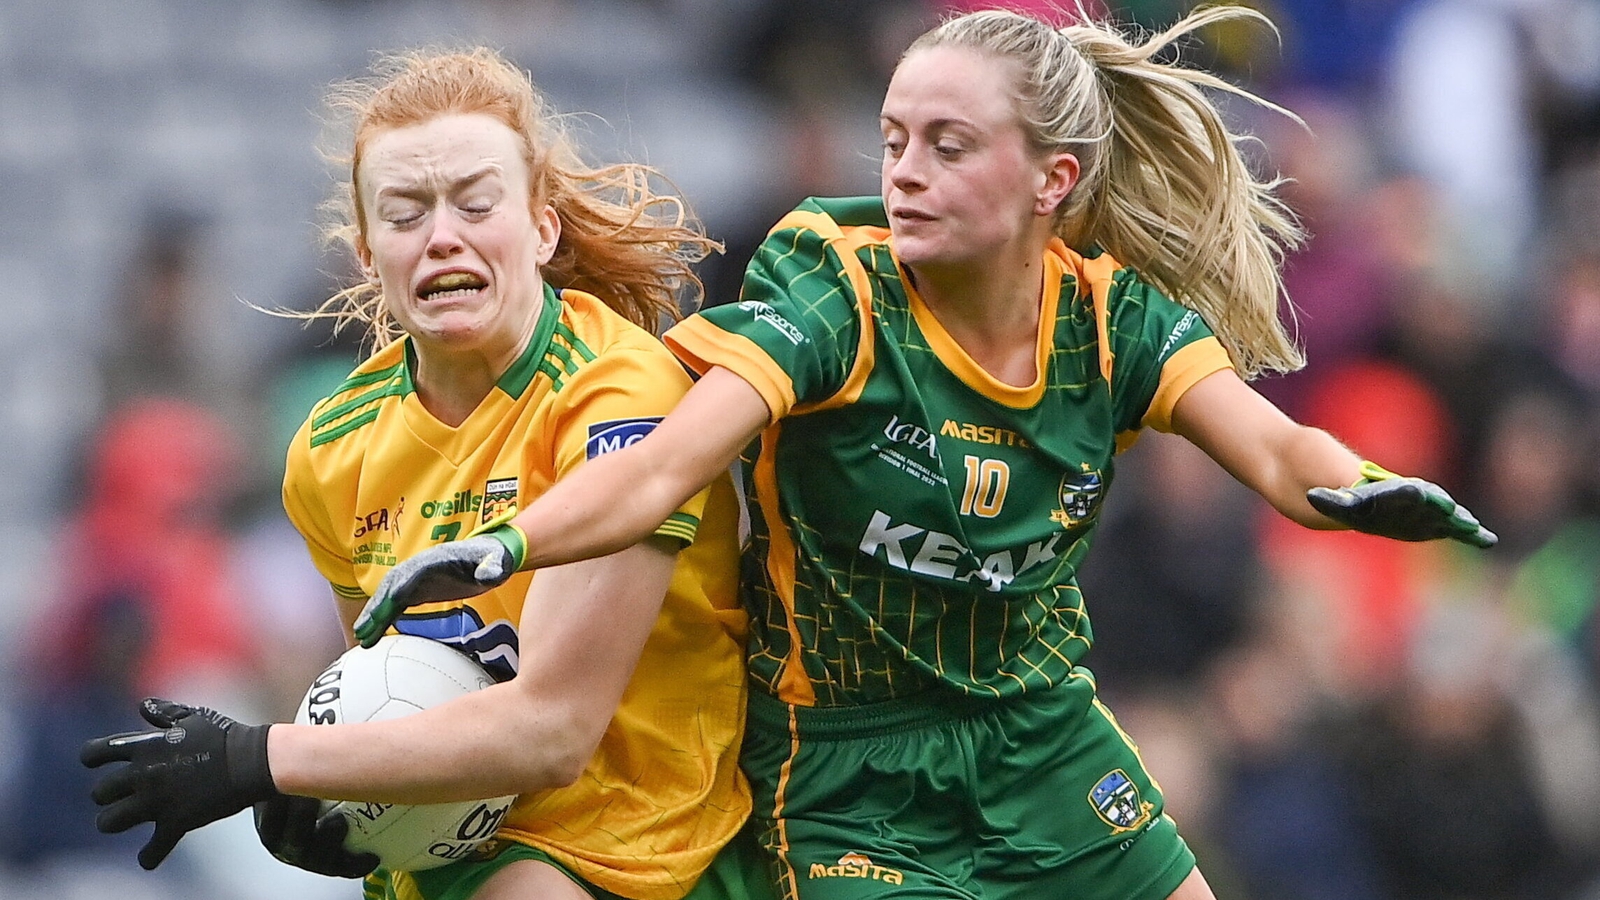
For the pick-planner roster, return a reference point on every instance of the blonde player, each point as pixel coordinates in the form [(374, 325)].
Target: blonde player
[(1067, 248), (511, 292)]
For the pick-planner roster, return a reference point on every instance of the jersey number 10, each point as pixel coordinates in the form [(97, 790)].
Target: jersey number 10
[(987, 480)]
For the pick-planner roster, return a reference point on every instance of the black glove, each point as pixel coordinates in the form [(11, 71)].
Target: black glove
[(451, 571), (200, 767), (294, 830), (1406, 509)]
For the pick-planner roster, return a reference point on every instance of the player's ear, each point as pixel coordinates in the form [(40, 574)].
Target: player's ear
[(1057, 177), (364, 257), (549, 225)]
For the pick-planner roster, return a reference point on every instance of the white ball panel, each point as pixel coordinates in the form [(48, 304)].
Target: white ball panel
[(401, 675)]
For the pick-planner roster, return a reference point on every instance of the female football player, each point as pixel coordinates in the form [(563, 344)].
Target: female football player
[(927, 389), (511, 292)]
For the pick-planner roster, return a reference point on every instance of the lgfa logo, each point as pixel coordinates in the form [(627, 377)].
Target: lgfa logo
[(856, 865)]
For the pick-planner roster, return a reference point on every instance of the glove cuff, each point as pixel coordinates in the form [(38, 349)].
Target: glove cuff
[(1372, 472), (514, 540), (246, 747)]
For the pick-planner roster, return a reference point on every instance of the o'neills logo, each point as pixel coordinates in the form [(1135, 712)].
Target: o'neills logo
[(856, 865)]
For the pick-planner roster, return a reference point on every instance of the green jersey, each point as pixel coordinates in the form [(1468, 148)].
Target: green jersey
[(917, 522)]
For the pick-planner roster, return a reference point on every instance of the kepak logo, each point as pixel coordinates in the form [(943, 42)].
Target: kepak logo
[(615, 434)]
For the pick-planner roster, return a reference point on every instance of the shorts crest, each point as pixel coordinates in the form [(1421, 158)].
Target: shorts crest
[(1116, 800)]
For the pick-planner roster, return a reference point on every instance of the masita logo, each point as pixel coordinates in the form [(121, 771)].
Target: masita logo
[(856, 865), (615, 434)]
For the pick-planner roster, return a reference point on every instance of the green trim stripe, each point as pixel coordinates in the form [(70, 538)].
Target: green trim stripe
[(552, 370), (343, 428), (559, 357), (681, 526), (517, 378), (393, 388), (349, 593), (572, 340), (356, 381)]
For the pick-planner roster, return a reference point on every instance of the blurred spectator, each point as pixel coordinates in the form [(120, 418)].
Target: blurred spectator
[(1284, 811), (1160, 618), (161, 343), (1364, 593), (1343, 281), (1446, 777), (289, 604), (1456, 55), (148, 608)]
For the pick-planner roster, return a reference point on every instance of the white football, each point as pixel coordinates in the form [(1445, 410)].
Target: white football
[(400, 675)]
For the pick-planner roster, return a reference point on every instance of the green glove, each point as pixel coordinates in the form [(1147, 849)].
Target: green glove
[(453, 570), (1406, 509)]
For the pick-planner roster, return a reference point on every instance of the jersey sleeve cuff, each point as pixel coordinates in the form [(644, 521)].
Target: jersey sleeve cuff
[(680, 527), (700, 346), (1183, 371)]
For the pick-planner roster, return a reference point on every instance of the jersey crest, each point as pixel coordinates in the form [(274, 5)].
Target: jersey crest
[(1079, 495), (499, 496)]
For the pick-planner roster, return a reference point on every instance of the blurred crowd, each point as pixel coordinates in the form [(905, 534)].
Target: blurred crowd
[(1330, 715)]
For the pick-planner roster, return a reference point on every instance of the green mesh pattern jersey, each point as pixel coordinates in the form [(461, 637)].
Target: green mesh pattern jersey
[(916, 521)]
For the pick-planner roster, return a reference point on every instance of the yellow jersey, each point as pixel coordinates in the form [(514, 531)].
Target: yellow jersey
[(373, 478)]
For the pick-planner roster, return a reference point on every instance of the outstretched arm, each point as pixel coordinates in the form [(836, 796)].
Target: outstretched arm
[(1262, 447), (1310, 477), (618, 499)]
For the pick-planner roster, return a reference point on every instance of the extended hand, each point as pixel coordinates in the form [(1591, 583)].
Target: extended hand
[(295, 830), (1406, 509), (199, 767), (450, 571)]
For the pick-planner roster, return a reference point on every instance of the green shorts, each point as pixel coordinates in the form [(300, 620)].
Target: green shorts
[(950, 797), (740, 872)]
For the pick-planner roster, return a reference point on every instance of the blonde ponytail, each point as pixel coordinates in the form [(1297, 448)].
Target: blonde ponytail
[(1163, 186)]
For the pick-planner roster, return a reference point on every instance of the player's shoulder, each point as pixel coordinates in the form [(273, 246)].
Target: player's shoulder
[(1094, 274), (588, 327), (357, 400), (860, 220)]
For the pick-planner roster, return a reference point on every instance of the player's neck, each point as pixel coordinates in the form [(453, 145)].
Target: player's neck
[(993, 314)]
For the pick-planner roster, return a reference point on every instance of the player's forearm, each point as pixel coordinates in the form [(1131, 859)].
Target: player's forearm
[(1304, 458), (617, 500), (608, 504), (486, 744)]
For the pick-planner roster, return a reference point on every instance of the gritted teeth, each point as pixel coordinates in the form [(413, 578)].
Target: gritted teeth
[(451, 281)]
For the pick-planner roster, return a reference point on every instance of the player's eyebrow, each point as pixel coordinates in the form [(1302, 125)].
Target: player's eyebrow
[(943, 123), (425, 185)]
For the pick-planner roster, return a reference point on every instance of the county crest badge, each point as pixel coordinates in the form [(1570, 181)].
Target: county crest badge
[(499, 495), (1116, 800), (1080, 494)]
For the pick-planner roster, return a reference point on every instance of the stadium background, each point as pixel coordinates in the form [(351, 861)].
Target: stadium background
[(1332, 716)]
